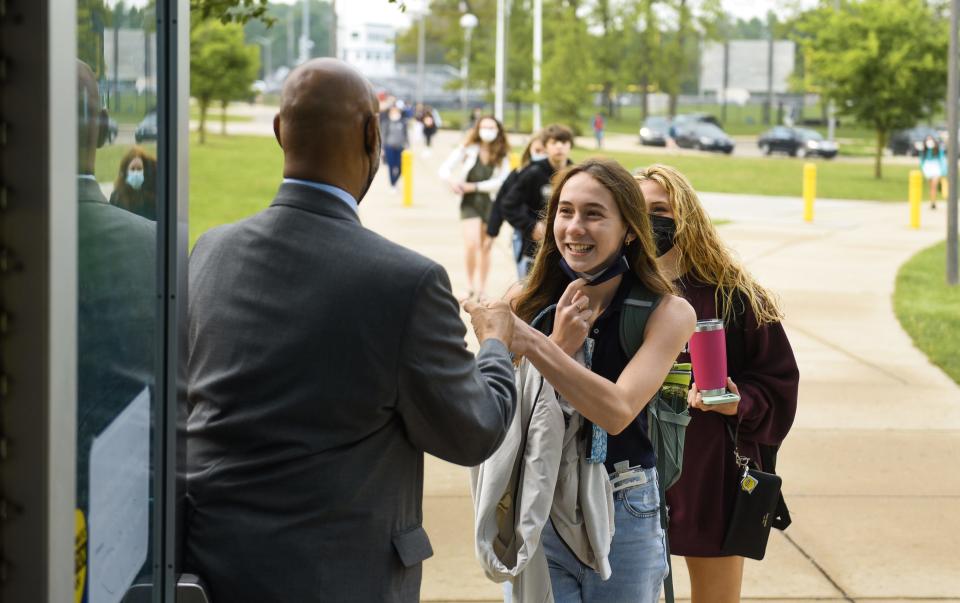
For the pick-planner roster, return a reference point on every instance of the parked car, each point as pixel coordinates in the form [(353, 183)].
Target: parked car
[(654, 131), (703, 136), (910, 142), (684, 119), (796, 141), (146, 129)]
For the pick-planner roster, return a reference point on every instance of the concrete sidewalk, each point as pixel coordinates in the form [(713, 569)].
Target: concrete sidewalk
[(869, 466)]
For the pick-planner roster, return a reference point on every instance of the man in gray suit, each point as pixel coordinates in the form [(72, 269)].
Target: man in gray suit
[(324, 361)]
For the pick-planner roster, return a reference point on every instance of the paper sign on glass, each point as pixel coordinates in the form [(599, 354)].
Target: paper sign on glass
[(118, 518)]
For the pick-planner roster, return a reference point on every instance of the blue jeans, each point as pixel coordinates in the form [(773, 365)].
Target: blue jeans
[(638, 555), (524, 262), (394, 157)]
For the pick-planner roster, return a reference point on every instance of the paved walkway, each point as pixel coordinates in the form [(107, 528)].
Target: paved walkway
[(869, 467)]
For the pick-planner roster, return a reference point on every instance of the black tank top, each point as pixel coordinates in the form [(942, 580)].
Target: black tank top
[(631, 444)]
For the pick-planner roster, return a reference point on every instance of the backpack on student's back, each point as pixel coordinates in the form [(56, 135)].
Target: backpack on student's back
[(667, 413)]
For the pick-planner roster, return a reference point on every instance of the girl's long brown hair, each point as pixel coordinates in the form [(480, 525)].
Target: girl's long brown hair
[(546, 281), (703, 254), (499, 147)]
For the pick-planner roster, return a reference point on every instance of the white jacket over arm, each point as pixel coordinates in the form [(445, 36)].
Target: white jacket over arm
[(540, 472), (458, 165)]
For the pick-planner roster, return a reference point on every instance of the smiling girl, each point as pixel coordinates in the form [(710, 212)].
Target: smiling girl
[(597, 248)]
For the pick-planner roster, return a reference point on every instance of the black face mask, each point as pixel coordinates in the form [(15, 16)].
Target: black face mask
[(664, 229), (618, 267)]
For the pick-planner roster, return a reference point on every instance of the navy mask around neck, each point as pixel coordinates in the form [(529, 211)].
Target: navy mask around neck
[(618, 267)]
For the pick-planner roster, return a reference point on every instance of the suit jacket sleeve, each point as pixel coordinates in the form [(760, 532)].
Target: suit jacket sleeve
[(454, 406)]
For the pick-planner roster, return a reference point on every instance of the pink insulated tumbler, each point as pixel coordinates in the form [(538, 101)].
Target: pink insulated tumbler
[(708, 354)]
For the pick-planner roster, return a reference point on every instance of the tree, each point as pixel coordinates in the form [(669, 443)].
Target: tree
[(607, 50), (222, 67), (567, 69), (883, 63), (520, 57), (231, 11), (284, 49)]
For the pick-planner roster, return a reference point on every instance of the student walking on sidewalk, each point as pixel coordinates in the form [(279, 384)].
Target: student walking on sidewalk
[(394, 142), (761, 367), (475, 170)]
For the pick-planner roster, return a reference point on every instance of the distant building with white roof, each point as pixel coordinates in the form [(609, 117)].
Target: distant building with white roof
[(367, 43)]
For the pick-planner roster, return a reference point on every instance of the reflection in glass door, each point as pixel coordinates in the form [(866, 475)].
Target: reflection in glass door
[(119, 325)]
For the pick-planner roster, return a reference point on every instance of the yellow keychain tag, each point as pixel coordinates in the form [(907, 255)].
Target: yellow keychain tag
[(748, 483)]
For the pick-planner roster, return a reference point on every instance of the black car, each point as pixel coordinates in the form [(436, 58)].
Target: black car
[(654, 131), (703, 136), (146, 129), (796, 141), (910, 142)]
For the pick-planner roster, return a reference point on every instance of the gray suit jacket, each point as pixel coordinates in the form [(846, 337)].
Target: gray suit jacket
[(324, 360)]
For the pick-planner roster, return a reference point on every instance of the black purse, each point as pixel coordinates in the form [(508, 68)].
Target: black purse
[(758, 507)]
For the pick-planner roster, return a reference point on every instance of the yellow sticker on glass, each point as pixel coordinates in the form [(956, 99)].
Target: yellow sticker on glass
[(79, 556)]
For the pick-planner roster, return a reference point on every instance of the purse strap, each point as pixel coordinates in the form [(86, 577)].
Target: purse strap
[(742, 461), (782, 519)]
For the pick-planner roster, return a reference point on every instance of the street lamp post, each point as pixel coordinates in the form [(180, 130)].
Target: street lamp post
[(952, 94), (468, 21), (266, 44), (419, 11), (537, 60), (421, 56), (831, 106), (305, 42), (499, 68)]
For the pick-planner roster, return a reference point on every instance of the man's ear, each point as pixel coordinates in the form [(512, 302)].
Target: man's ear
[(371, 135), (276, 129)]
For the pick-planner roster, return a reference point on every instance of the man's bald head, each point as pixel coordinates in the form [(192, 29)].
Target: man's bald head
[(328, 125)]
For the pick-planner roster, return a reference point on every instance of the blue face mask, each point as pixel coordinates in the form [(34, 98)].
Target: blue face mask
[(135, 179), (618, 267)]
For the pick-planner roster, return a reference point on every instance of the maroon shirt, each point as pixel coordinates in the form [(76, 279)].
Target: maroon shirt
[(760, 361)]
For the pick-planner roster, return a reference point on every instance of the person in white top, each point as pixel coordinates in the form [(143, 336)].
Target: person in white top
[(475, 171)]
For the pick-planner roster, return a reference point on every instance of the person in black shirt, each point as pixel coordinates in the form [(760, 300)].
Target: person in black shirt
[(535, 151), (524, 203)]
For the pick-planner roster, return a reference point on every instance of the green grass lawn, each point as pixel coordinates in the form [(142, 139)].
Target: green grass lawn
[(213, 118), (231, 177), (234, 176), (773, 175), (929, 309)]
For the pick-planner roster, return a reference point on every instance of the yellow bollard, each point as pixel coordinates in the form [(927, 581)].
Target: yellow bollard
[(406, 172), (514, 161), (809, 190), (915, 197)]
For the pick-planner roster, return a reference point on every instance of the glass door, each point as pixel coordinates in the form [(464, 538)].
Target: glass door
[(123, 428)]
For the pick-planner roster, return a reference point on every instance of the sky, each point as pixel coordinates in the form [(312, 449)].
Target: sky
[(390, 13), (747, 9)]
